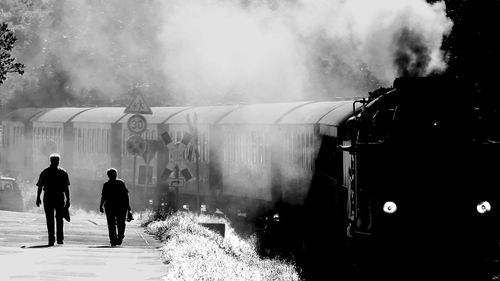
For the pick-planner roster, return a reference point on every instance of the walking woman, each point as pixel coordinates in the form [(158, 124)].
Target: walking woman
[(115, 201)]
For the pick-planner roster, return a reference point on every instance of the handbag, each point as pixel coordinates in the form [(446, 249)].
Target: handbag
[(66, 214), (130, 217)]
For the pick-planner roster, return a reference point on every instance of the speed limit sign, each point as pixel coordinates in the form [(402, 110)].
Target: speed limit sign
[(137, 124)]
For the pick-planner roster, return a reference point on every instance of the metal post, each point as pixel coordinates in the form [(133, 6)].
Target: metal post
[(133, 176), (197, 177)]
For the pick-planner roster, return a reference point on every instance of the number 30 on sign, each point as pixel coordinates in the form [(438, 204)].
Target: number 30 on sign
[(137, 124)]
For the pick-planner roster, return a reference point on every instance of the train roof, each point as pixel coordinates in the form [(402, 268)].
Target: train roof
[(268, 113), (101, 115), (24, 114), (205, 114), (313, 113), (63, 114), (160, 114), (339, 114)]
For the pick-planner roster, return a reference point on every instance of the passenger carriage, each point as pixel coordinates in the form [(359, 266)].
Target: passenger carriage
[(96, 148), (16, 154), (53, 133)]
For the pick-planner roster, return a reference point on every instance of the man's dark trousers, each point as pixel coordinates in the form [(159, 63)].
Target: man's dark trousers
[(50, 206), (116, 219)]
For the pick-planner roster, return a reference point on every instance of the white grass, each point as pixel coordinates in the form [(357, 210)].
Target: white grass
[(194, 252)]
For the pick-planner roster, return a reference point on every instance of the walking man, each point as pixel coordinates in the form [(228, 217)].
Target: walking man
[(54, 181), (115, 201)]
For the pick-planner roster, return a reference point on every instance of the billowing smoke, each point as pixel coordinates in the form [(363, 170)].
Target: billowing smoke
[(211, 51), (286, 50), (412, 56)]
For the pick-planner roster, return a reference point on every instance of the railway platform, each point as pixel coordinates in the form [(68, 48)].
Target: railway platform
[(85, 255)]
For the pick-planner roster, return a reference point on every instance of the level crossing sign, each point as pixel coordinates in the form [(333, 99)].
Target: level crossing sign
[(177, 157)]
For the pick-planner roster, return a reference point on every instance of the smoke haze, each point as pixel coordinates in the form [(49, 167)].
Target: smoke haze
[(212, 51)]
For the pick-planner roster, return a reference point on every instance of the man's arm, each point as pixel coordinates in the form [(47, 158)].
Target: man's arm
[(126, 197), (40, 183), (38, 193), (66, 193), (66, 190), (103, 199)]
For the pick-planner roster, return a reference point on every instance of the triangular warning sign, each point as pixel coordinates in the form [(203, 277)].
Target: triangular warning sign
[(138, 105)]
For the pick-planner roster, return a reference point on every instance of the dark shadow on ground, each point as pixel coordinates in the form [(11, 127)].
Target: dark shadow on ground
[(35, 246), (103, 246)]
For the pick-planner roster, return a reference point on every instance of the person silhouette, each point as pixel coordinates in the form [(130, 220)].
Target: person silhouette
[(115, 200), (54, 181)]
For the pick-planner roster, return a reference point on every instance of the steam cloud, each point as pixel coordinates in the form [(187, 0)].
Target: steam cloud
[(209, 51)]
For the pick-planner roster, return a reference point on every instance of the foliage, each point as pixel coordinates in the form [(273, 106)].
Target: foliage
[(194, 252), (7, 62)]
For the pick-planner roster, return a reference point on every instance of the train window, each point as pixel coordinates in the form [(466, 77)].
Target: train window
[(80, 137), (248, 148), (311, 151), (233, 148), (230, 147), (225, 144), (84, 138), (79, 140), (94, 140), (207, 147), (99, 140), (261, 148), (105, 140), (87, 140), (199, 147), (236, 143), (90, 140)]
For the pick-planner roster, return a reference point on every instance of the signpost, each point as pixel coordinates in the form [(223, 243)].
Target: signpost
[(137, 124), (193, 128)]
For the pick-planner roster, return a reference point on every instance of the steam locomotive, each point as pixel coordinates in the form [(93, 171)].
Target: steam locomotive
[(394, 185)]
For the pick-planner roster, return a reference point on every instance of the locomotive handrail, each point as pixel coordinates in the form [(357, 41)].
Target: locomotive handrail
[(362, 101), (361, 233)]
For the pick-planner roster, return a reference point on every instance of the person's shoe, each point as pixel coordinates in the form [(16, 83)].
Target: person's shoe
[(119, 242), (60, 242), (51, 244)]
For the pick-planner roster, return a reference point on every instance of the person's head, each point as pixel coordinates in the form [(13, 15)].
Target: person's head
[(54, 159), (112, 173)]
